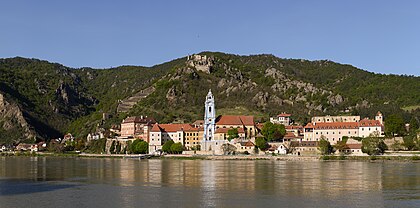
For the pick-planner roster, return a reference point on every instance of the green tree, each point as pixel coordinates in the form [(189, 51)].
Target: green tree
[(373, 145), (394, 125), (324, 146), (97, 146), (167, 146), (233, 134), (139, 147), (261, 143), (112, 148), (411, 142), (228, 149), (80, 144), (55, 147), (273, 132), (177, 148), (414, 125), (128, 147)]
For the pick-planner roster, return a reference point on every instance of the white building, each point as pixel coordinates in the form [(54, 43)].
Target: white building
[(334, 131), (161, 133), (283, 118)]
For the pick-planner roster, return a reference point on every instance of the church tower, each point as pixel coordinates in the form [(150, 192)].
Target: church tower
[(209, 118), (379, 117)]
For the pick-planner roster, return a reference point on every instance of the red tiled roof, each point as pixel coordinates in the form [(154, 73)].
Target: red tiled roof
[(225, 130), (353, 146), (247, 144), (284, 115), (235, 120), (290, 135), (171, 127), (367, 122)]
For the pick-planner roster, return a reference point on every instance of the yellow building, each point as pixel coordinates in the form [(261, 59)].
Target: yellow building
[(193, 137)]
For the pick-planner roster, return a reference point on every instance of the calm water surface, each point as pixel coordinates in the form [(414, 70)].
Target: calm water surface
[(97, 182)]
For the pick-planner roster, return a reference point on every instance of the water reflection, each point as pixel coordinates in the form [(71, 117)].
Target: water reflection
[(192, 183)]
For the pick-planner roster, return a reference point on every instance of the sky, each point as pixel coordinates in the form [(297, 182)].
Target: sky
[(378, 36)]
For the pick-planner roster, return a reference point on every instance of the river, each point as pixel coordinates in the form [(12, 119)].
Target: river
[(112, 182)]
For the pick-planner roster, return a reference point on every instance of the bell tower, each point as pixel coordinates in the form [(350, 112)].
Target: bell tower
[(209, 118)]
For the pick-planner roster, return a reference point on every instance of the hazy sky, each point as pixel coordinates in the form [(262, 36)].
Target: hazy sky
[(379, 36)]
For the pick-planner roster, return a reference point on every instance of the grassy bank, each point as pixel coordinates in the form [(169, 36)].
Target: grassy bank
[(371, 158)]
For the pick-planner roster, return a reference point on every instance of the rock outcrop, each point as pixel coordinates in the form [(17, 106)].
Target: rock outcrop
[(12, 117)]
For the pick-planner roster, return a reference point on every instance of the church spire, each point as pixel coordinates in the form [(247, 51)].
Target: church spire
[(209, 117)]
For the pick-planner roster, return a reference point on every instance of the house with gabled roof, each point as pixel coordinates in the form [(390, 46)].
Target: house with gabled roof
[(246, 123), (161, 133), (136, 127), (282, 118)]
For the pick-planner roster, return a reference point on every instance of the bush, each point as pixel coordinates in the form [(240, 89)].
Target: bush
[(261, 143), (139, 147), (373, 146), (167, 146), (325, 147), (177, 148)]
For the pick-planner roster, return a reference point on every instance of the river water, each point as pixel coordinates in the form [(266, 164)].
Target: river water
[(107, 182)]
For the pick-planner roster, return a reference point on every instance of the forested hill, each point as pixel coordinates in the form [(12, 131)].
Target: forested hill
[(44, 100)]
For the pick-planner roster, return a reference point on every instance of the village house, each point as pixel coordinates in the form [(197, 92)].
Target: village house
[(352, 149), (136, 127), (278, 148), (245, 147), (161, 133), (27, 147), (304, 148), (283, 118), (193, 137), (246, 123)]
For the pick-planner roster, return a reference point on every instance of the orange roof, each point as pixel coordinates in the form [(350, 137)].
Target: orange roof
[(309, 125), (235, 120), (225, 130), (247, 144), (171, 127), (290, 135), (367, 122), (284, 115), (353, 146)]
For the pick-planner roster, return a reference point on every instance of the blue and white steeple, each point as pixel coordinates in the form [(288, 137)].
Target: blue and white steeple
[(209, 118)]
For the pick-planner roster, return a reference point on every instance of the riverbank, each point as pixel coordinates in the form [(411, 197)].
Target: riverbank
[(386, 157)]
